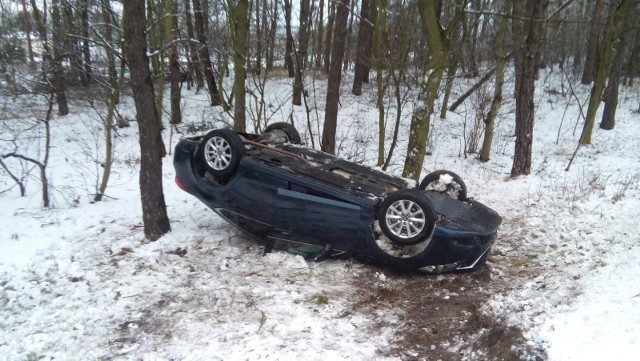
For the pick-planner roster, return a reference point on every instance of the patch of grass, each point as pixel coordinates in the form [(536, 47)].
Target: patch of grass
[(32, 356), (318, 299), (627, 182)]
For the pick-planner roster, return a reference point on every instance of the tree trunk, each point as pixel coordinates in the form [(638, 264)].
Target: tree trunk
[(526, 57), (156, 43), (606, 59), (204, 53), (301, 54), (194, 61), (58, 55), (501, 60), (154, 210), (108, 125), (378, 14), (320, 33), (288, 56), (453, 62), (28, 34), (622, 50), (240, 26), (437, 61), (272, 36), (633, 67), (86, 53), (108, 38), (346, 58), (363, 57), (335, 77), (72, 51), (472, 69), (174, 67), (329, 35), (593, 40), (261, 18)]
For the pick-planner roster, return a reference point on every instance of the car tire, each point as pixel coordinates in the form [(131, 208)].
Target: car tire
[(288, 129), (406, 217), (455, 188), (220, 152)]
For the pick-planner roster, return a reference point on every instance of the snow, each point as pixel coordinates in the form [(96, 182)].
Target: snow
[(79, 281)]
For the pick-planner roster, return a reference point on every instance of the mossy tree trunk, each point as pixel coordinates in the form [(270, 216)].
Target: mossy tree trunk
[(437, 41), (607, 55)]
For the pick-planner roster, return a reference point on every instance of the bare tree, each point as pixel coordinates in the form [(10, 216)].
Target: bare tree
[(501, 61), (527, 26), (154, 209), (239, 11), (108, 126), (607, 57), (108, 19), (204, 53), (57, 59), (271, 38), (261, 19), (195, 65), (335, 77), (27, 30), (438, 42), (174, 67), (301, 53), (622, 50), (41, 164), (363, 57), (86, 40), (329, 34), (593, 39), (319, 35), (289, 45)]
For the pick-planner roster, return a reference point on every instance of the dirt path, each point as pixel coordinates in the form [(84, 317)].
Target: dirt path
[(439, 317)]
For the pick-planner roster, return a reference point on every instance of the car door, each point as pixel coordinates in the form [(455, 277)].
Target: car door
[(309, 215)]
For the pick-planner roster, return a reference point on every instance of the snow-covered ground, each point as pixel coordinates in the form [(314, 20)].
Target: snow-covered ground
[(78, 280)]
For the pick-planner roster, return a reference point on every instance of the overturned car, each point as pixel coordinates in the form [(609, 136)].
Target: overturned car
[(285, 194)]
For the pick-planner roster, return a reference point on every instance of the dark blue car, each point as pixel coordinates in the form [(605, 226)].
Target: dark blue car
[(289, 196)]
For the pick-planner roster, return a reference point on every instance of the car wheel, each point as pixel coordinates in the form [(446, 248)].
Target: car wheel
[(407, 218), (288, 129), (446, 182), (220, 152)]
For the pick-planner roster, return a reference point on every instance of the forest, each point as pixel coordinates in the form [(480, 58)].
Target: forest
[(535, 101), (60, 47)]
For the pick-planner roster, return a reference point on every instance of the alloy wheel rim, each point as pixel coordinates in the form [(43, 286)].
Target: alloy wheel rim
[(217, 153), (405, 219)]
